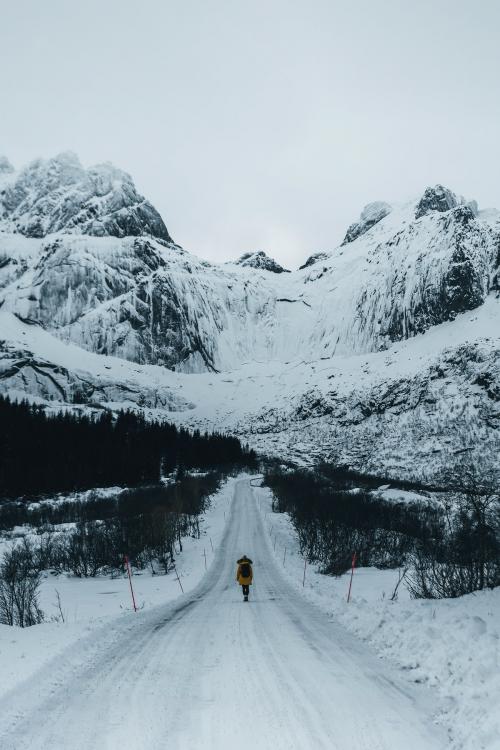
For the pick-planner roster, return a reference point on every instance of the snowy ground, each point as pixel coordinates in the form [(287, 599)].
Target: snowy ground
[(452, 646), (172, 673), (90, 603), (209, 671)]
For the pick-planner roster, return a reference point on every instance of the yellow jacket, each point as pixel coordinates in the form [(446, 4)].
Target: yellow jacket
[(241, 579)]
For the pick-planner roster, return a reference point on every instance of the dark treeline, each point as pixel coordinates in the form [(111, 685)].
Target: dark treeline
[(97, 505), (68, 451), (447, 549), (332, 521), (147, 524)]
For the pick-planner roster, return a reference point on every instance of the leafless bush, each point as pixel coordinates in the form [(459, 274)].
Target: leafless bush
[(401, 577), (433, 578), (466, 556), (83, 552), (19, 586)]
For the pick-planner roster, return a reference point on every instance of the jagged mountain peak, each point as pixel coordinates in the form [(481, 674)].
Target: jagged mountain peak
[(437, 198), (441, 199), (429, 266), (370, 215), (60, 195), (259, 259)]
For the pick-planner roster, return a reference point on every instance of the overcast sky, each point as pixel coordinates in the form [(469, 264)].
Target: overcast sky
[(265, 124)]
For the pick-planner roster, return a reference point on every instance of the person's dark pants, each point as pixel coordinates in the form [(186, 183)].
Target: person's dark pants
[(246, 589)]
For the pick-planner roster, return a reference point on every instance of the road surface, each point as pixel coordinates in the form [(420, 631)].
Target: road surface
[(209, 671)]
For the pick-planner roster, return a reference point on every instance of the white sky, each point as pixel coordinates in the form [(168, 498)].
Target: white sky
[(264, 124)]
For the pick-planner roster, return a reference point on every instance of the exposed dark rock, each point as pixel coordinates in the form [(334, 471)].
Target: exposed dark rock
[(20, 369), (59, 194), (370, 215), (437, 198), (495, 279), (260, 260), (490, 382), (445, 289), (312, 259)]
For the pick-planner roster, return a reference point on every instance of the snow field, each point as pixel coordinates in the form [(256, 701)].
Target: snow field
[(92, 603), (450, 645)]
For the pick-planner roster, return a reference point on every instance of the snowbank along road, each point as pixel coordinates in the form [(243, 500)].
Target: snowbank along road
[(210, 671)]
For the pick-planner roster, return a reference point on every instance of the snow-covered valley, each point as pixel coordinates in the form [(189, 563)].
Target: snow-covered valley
[(249, 376), (382, 354)]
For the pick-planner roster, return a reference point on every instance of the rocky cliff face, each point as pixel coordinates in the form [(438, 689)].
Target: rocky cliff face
[(90, 262), (436, 198), (145, 299), (60, 195), (428, 273)]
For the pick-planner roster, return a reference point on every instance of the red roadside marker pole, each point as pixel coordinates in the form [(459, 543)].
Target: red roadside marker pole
[(352, 573), (130, 581)]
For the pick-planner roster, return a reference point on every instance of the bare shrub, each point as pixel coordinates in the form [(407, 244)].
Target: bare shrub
[(19, 587), (465, 557)]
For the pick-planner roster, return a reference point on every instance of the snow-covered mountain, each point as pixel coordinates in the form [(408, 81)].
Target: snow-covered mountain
[(89, 261), (59, 195)]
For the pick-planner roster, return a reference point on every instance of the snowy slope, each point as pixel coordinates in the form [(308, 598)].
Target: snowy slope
[(382, 353), (404, 411)]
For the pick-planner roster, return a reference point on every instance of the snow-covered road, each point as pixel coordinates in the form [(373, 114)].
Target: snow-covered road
[(209, 671)]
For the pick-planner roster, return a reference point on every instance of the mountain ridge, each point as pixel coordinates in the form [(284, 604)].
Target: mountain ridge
[(58, 194), (402, 272)]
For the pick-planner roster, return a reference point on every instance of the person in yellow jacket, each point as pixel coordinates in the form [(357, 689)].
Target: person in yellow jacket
[(244, 575)]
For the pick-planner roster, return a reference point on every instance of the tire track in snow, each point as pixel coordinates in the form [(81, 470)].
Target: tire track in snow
[(213, 672)]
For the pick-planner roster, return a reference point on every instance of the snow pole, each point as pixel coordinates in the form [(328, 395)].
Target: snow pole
[(130, 582), (205, 556), (352, 573), (178, 579), (284, 557), (304, 576), (211, 543)]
